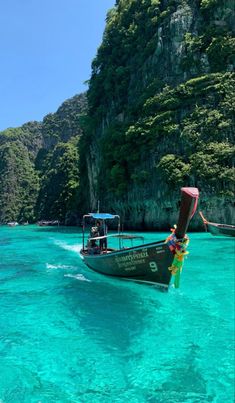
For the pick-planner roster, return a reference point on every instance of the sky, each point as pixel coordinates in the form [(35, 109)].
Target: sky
[(46, 50)]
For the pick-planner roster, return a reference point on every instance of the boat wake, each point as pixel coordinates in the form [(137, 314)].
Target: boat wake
[(74, 248), (59, 266), (79, 277)]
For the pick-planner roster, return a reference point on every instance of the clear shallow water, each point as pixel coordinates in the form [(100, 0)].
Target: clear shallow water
[(68, 334)]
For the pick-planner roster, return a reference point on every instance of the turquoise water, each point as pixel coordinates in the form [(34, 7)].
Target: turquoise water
[(68, 334)]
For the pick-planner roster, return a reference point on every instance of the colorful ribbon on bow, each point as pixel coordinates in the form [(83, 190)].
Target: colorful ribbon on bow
[(178, 248)]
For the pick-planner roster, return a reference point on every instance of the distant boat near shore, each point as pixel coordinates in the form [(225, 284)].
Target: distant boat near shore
[(50, 223), (12, 224), (218, 229)]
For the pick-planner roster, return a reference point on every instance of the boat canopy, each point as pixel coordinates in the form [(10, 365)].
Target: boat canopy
[(102, 216), (98, 216)]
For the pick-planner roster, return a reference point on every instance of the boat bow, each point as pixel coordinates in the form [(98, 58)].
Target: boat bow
[(188, 206)]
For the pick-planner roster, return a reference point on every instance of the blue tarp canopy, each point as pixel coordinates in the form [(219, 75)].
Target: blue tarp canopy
[(102, 216)]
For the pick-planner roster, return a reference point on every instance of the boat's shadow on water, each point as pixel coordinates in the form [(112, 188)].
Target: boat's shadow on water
[(107, 312)]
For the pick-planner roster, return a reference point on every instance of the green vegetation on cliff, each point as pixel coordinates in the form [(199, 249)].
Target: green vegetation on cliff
[(19, 183), (60, 183), (39, 166), (129, 38), (188, 131), (161, 98)]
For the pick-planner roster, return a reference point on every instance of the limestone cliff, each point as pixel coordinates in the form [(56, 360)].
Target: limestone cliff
[(161, 108), (39, 166)]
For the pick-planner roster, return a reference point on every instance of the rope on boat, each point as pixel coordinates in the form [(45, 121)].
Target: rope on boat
[(178, 248)]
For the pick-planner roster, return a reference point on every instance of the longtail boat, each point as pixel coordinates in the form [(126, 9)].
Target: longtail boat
[(154, 262), (218, 229)]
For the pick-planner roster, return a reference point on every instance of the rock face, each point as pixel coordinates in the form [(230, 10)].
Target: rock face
[(18, 180), (161, 111), (65, 122), (39, 166), (57, 162)]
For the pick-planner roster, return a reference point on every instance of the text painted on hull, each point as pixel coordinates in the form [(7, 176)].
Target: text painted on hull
[(132, 260)]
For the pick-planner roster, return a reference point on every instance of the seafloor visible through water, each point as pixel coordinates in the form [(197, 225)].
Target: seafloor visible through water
[(68, 334)]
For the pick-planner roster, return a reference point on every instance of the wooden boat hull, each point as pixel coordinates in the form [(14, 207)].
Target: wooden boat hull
[(149, 263), (218, 229), (221, 230)]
